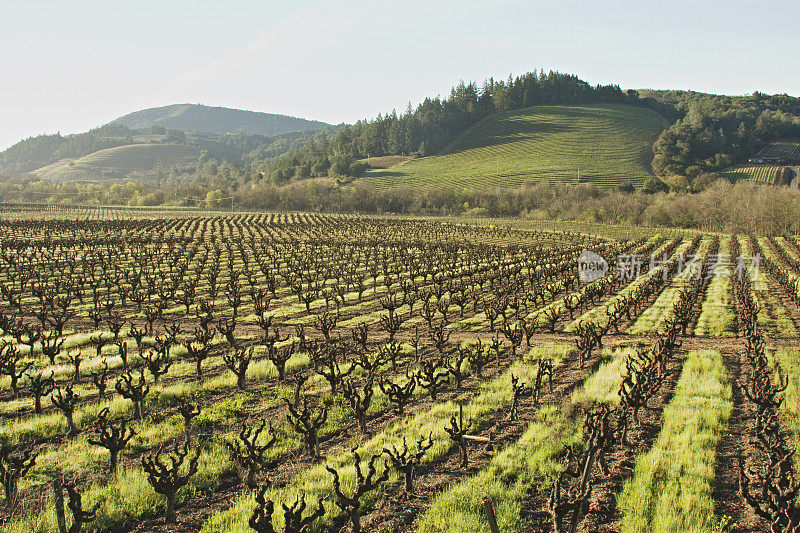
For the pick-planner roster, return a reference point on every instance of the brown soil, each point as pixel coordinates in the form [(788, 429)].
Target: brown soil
[(735, 444)]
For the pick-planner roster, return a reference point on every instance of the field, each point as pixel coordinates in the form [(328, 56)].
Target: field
[(607, 145), (771, 174), (180, 370), (122, 161)]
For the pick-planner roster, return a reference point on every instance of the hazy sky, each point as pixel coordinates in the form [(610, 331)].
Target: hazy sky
[(71, 65)]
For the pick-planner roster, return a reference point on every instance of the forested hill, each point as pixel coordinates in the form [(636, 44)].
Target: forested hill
[(714, 132), (437, 121), (707, 133), (194, 117)]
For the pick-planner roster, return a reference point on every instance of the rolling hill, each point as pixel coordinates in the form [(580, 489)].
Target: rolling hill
[(133, 160), (607, 145), (193, 117)]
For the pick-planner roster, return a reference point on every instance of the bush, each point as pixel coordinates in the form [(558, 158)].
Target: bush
[(154, 198), (339, 167), (704, 181), (677, 183), (358, 168), (654, 185)]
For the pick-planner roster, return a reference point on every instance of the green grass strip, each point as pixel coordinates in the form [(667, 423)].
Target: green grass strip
[(789, 362), (654, 317), (598, 314), (774, 319), (672, 484), (529, 463), (716, 315)]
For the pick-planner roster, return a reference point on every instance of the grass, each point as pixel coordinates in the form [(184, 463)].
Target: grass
[(789, 362), (54, 423), (602, 144), (716, 314), (528, 463), (655, 316), (672, 484), (598, 315), (77, 456), (774, 318), (770, 254), (386, 161), (128, 497), (603, 385)]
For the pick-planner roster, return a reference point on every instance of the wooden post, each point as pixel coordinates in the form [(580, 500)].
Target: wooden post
[(58, 493), (488, 506), (478, 438)]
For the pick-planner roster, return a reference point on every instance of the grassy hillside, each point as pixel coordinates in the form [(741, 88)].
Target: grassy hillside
[(122, 161), (604, 144), (191, 117)]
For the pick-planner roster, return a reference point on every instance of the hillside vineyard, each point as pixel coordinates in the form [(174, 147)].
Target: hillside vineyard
[(606, 145), (202, 371)]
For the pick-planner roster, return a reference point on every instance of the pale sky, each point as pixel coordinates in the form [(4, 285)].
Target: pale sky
[(72, 65)]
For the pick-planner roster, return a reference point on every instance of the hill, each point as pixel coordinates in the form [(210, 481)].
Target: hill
[(134, 160), (193, 117), (532, 127), (607, 145)]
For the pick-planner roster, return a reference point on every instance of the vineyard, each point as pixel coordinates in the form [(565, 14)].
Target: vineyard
[(607, 145), (122, 161), (786, 149), (217, 372), (770, 174)]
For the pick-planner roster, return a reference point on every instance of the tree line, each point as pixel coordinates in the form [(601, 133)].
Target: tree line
[(721, 206)]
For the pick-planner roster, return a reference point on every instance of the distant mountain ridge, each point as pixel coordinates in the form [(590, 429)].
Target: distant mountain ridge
[(196, 117), (156, 141)]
